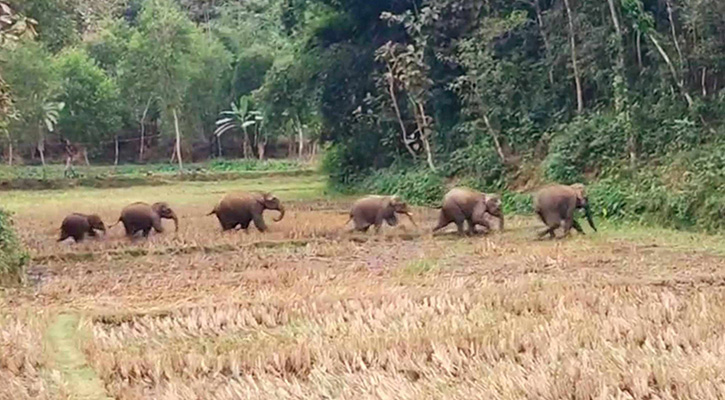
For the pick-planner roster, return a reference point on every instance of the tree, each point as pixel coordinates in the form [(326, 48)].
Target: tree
[(163, 48), (92, 113), (33, 87)]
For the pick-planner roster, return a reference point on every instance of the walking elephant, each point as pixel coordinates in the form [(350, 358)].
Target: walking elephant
[(555, 206), (77, 225), (465, 205), (243, 208), (143, 217), (373, 210)]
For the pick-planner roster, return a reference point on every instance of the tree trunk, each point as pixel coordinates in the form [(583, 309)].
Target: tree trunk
[(115, 160), (301, 138), (142, 143), (674, 31), (219, 145), (290, 145), (678, 81), (422, 121), (178, 140), (544, 38), (621, 92), (245, 143), (41, 145), (10, 149), (639, 49), (391, 92), (494, 136), (704, 82), (574, 64), (261, 145)]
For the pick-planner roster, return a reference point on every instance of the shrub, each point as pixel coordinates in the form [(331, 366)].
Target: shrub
[(585, 144), (12, 256), (416, 186), (479, 164)]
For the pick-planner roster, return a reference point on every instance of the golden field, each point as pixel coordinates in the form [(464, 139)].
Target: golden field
[(310, 311)]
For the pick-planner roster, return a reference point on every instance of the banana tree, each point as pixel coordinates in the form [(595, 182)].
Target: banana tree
[(48, 120), (240, 116)]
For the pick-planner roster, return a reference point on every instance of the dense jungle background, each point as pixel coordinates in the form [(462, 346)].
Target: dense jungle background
[(401, 96)]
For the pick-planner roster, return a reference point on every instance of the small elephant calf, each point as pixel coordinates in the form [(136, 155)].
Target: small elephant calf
[(78, 225), (373, 210), (465, 205), (142, 217), (240, 209)]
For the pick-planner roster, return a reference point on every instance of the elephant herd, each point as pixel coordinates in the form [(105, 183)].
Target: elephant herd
[(555, 205)]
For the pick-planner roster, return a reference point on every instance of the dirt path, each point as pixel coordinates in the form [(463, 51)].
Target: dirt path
[(81, 380)]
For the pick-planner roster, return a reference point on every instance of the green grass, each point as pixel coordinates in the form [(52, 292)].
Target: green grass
[(179, 193), (56, 171)]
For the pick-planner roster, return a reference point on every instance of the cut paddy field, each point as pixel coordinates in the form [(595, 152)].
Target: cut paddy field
[(309, 311)]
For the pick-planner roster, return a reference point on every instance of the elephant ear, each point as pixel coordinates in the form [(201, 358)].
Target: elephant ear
[(260, 197)]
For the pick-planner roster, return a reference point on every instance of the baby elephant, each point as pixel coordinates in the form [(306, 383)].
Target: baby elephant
[(463, 204), (142, 217), (77, 225), (555, 205), (242, 208), (373, 210)]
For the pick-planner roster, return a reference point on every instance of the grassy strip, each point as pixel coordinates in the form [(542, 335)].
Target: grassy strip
[(82, 381), (149, 180)]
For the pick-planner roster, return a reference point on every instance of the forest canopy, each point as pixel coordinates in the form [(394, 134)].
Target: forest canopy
[(500, 93)]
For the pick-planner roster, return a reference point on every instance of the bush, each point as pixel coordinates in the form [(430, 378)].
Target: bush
[(584, 145), (12, 257), (479, 164), (416, 186)]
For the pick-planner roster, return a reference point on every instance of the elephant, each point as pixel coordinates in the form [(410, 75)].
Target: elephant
[(555, 206), (463, 204), (242, 208), (373, 210), (77, 225), (142, 217)]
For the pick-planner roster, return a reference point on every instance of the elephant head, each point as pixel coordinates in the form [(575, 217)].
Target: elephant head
[(96, 223), (271, 202), (494, 207), (582, 201), (401, 207), (163, 210)]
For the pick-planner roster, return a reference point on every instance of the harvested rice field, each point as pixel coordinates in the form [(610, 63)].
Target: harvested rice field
[(309, 311)]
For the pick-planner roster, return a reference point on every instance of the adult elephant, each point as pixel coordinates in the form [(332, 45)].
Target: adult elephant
[(142, 217), (466, 205), (555, 205), (241, 209), (373, 210), (77, 225)]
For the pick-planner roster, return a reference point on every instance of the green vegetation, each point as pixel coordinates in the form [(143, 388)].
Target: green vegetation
[(12, 256), (408, 97)]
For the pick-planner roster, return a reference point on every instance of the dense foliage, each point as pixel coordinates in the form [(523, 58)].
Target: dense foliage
[(12, 257), (497, 95)]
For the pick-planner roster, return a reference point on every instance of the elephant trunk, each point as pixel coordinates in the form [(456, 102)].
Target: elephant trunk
[(176, 221), (410, 217), (281, 213), (588, 214)]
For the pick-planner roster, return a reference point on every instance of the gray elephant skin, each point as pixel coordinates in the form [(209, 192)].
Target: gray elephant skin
[(373, 210), (77, 225), (466, 205), (142, 217), (240, 209), (555, 206)]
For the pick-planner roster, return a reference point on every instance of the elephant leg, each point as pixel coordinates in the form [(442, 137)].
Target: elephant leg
[(156, 223), (550, 230), (471, 227), (259, 222), (78, 237), (575, 225), (459, 225), (443, 221), (129, 229), (63, 236), (146, 232)]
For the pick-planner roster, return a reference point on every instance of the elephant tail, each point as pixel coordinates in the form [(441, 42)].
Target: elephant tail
[(212, 212), (114, 224)]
